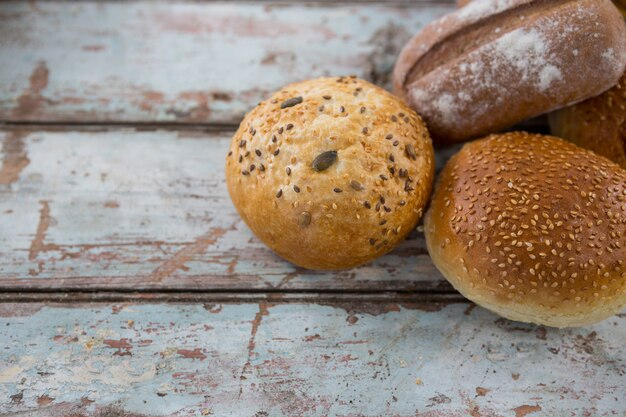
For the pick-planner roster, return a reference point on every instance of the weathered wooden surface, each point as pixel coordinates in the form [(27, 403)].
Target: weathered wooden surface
[(149, 210), (303, 359), (186, 61), (130, 287)]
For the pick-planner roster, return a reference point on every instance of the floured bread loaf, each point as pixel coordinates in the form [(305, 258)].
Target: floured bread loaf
[(494, 63)]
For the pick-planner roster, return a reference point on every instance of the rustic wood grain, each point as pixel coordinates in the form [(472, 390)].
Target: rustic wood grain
[(266, 359), (184, 61), (126, 209)]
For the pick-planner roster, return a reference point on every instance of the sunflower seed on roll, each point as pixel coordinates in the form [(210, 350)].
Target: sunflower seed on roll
[(348, 169), (533, 228)]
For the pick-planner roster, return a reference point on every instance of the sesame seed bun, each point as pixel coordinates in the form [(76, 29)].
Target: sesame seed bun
[(598, 124), (331, 173), (532, 228)]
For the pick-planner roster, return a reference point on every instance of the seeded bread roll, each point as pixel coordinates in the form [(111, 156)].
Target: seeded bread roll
[(494, 63), (598, 124), (533, 228), (331, 173)]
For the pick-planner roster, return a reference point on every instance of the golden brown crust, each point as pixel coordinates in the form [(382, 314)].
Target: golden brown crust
[(533, 228), (371, 193), (598, 124), (491, 64)]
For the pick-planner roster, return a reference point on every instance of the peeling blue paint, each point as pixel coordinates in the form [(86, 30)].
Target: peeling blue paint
[(308, 359)]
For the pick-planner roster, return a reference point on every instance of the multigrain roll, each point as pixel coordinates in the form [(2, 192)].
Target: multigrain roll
[(494, 63), (598, 124), (331, 173), (533, 228)]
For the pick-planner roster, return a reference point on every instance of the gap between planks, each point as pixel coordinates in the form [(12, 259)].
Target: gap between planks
[(277, 297), (100, 126), (290, 2)]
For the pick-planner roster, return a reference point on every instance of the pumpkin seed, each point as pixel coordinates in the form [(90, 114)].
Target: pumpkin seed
[(305, 219), (357, 186), (291, 102), (410, 150), (324, 160)]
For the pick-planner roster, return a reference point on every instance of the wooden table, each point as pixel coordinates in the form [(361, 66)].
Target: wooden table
[(130, 287)]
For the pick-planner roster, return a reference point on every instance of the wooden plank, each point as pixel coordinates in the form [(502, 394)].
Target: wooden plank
[(302, 359), (185, 61), (126, 209)]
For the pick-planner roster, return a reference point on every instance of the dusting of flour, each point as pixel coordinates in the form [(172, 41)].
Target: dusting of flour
[(527, 51), (478, 9)]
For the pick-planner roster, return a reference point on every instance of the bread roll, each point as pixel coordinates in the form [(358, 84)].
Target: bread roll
[(331, 173), (598, 124), (492, 63), (533, 228)]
